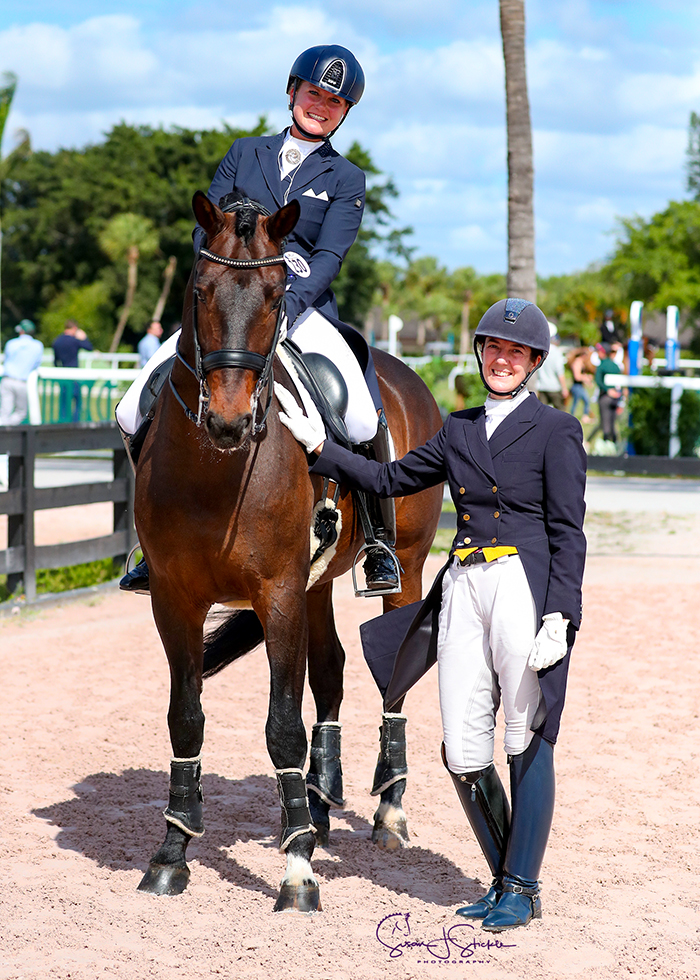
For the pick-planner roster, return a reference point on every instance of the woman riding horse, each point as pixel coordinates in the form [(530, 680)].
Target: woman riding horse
[(300, 164)]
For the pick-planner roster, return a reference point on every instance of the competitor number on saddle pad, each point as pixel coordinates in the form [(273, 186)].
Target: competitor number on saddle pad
[(297, 264)]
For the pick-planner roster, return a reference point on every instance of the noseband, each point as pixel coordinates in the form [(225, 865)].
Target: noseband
[(232, 357)]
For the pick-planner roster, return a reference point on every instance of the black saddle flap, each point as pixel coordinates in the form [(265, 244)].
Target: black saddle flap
[(154, 386)]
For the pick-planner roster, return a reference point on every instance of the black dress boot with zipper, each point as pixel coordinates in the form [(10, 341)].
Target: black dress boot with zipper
[(485, 803)]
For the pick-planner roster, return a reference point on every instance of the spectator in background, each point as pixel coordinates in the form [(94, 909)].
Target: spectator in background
[(609, 333), (150, 342), (65, 354), (22, 356), (582, 378), (609, 398), (551, 380)]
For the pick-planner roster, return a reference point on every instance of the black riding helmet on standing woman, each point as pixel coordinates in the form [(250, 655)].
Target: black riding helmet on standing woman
[(331, 67), (518, 321)]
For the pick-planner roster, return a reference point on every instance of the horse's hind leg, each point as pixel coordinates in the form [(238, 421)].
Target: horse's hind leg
[(167, 872), (326, 659)]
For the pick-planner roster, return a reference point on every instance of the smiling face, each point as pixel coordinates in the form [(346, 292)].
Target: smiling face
[(506, 365), (317, 111)]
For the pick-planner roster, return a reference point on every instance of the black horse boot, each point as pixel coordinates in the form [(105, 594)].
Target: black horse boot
[(532, 795), (137, 579), (381, 570), (324, 780), (485, 803)]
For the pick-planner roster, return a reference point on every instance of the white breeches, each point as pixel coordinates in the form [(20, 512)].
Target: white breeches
[(311, 333), (486, 631), (127, 412)]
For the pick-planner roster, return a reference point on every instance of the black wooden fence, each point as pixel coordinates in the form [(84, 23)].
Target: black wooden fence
[(21, 500)]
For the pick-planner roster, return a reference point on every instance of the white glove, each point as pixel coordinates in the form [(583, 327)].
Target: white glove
[(307, 429), (550, 644), (283, 329)]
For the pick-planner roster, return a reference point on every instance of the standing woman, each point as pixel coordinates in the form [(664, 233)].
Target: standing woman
[(300, 164), (506, 605)]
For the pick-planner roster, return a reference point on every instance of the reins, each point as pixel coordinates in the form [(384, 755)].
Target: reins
[(232, 357)]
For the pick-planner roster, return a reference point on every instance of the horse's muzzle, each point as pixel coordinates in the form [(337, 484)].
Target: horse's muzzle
[(228, 435)]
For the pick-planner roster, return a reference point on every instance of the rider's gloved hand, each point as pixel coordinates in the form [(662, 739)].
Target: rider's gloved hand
[(550, 644), (307, 429)]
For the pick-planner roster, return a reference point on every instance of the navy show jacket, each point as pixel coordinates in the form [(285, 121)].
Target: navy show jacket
[(331, 192), (524, 487)]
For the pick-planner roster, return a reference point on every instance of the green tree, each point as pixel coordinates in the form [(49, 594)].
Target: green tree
[(128, 236), (657, 260), (56, 205)]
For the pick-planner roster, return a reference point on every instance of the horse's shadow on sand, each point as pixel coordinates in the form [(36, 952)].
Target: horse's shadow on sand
[(116, 820)]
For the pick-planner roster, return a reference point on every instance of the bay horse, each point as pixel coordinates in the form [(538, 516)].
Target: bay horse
[(223, 507)]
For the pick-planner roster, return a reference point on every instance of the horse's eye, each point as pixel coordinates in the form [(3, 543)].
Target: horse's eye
[(276, 305), (199, 295)]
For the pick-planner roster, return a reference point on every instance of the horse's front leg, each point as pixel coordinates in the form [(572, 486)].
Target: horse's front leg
[(286, 640), (181, 631), (326, 659)]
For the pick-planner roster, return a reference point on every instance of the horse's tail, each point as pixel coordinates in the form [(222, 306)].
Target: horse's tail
[(239, 633)]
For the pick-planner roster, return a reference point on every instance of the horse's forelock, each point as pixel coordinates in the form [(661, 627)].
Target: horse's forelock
[(246, 223)]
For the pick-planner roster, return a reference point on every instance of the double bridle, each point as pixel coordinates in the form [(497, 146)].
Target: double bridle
[(232, 357)]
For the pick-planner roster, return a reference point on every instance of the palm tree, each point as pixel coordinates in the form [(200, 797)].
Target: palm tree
[(128, 236), (522, 280)]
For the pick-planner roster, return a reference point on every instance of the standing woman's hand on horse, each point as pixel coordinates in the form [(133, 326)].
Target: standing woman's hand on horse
[(307, 429)]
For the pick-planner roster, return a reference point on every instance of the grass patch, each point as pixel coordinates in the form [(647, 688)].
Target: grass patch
[(70, 577)]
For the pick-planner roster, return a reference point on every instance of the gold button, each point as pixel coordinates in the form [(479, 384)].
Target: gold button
[(461, 489), (494, 489), (466, 517), (463, 778), (497, 513), (467, 541), (494, 540)]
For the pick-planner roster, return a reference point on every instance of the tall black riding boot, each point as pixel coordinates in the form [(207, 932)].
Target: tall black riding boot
[(532, 795), (485, 803), (381, 571)]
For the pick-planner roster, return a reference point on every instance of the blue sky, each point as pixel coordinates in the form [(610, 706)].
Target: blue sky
[(611, 84)]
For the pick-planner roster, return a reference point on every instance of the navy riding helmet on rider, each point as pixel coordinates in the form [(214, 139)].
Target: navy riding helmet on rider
[(520, 322), (331, 67)]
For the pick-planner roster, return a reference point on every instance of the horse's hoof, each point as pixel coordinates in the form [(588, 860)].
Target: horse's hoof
[(298, 898), (165, 879), (390, 831), (388, 840)]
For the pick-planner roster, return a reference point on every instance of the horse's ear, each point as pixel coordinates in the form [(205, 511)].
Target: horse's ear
[(207, 214), (281, 222)]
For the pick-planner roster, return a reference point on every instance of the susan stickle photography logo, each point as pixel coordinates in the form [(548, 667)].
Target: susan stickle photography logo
[(458, 943)]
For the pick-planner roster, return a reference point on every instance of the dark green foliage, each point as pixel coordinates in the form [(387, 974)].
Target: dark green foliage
[(650, 411), (56, 204)]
